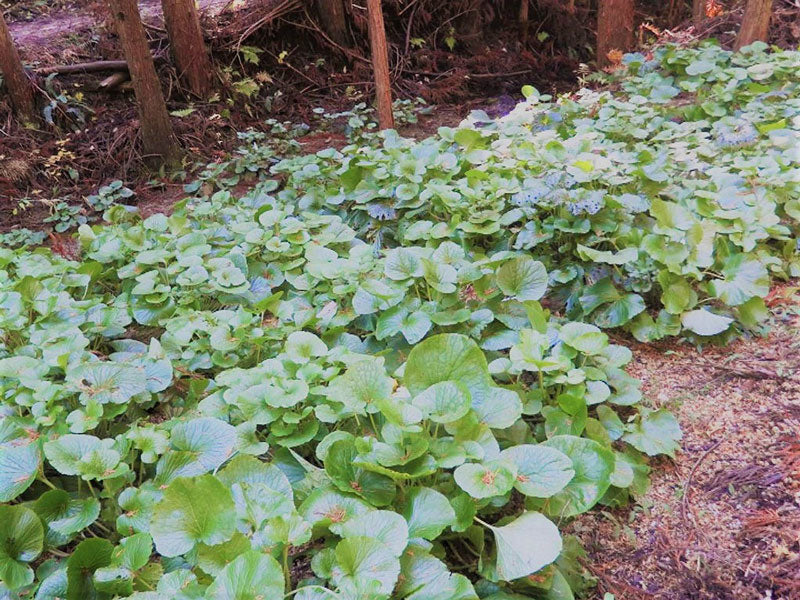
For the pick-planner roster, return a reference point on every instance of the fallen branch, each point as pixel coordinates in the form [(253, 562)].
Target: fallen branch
[(114, 80), (89, 67)]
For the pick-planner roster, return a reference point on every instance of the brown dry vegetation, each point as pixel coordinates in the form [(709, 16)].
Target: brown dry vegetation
[(721, 522)]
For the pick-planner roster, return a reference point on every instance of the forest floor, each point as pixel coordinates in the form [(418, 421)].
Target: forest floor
[(722, 521)]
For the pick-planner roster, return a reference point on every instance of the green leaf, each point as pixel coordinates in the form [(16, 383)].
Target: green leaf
[(363, 384), (704, 322), (522, 278), (606, 257), (84, 455), (427, 512), (744, 279), (443, 402), (19, 464), (301, 346), (363, 560), (593, 465), (326, 506), (698, 67), (425, 577), (193, 511), (386, 526), (447, 357), (108, 382), (526, 545), (656, 432), (64, 515), (583, 337), (91, 554), (251, 576), (21, 540), (209, 442), (377, 489), (486, 480), (542, 472)]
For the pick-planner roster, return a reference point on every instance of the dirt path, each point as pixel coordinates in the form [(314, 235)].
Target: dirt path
[(723, 521), (46, 30)]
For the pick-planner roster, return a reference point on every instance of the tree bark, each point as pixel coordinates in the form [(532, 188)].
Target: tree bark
[(698, 10), (187, 44), (524, 15), (15, 79), (380, 64), (334, 20), (614, 28), (755, 23), (158, 140)]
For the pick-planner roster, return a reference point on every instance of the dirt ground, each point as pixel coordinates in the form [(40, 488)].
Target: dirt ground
[(722, 521)]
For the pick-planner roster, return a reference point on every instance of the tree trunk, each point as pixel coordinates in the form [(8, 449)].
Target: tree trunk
[(157, 137), (698, 10), (334, 20), (187, 44), (14, 78), (524, 15), (380, 64), (614, 28), (755, 23)]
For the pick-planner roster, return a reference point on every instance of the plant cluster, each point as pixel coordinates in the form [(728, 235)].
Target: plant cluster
[(350, 384)]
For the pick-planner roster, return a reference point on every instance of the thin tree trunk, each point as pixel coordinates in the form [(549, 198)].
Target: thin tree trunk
[(614, 28), (524, 12), (187, 44), (698, 10), (334, 20), (15, 80), (755, 23), (380, 64), (157, 136)]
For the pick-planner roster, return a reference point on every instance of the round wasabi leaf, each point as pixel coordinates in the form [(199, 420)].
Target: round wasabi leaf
[(425, 577), (583, 337), (522, 278), (302, 346), (19, 464), (593, 464), (498, 408), (364, 383), (89, 556), (21, 540), (447, 357), (526, 545), (541, 471), (53, 586), (402, 264), (64, 515), (443, 402), (84, 455), (364, 560), (251, 576), (386, 526), (427, 512), (326, 506), (250, 470), (108, 382), (656, 432), (340, 464), (193, 511), (137, 510), (486, 480), (704, 322), (209, 441)]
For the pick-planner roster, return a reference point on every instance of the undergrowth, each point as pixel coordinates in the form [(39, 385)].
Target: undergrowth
[(383, 374)]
